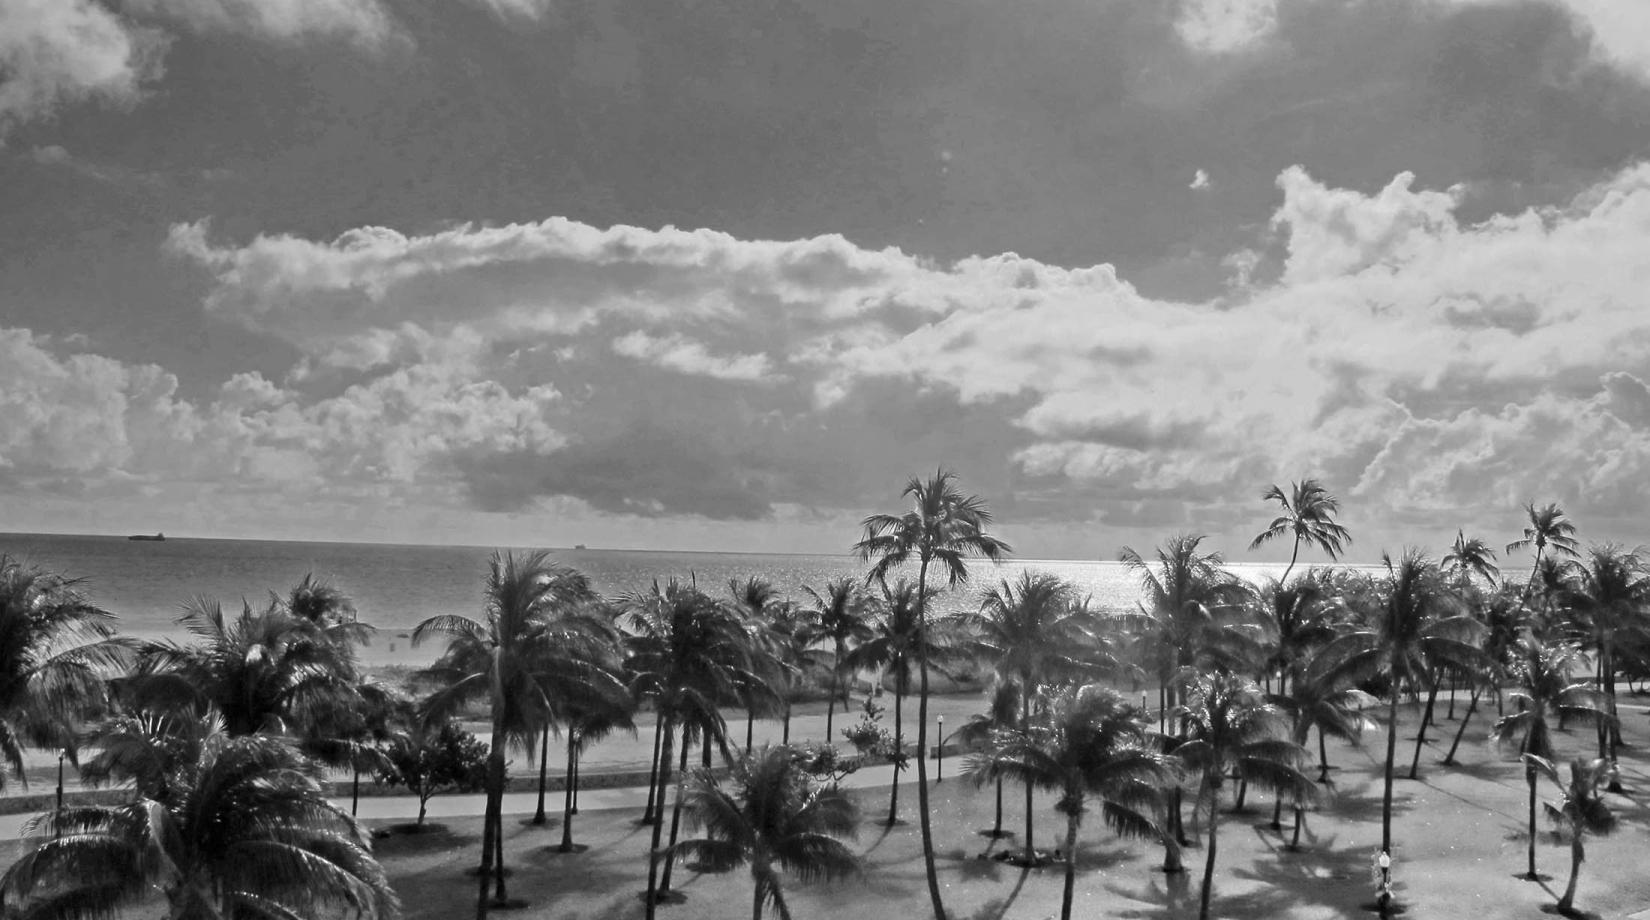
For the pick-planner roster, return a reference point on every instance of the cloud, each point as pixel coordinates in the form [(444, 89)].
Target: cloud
[(1618, 29), (517, 9), (1225, 26), (1200, 180), (364, 22), (60, 52), (686, 356)]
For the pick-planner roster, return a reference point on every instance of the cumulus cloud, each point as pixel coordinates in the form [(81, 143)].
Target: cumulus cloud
[(679, 353), (1200, 180), (362, 21), (1225, 26), (1619, 29), (59, 52)]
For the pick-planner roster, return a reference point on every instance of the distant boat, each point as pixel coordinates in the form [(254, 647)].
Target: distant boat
[(578, 546), (144, 536)]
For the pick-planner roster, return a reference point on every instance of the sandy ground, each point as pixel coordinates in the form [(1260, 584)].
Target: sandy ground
[(1459, 835)]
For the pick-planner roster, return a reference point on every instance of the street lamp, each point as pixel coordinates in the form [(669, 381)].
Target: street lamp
[(939, 766)]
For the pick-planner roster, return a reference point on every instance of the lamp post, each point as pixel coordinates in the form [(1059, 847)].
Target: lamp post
[(939, 765), (61, 753)]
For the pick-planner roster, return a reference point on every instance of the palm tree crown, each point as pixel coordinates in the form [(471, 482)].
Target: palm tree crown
[(1470, 557), (1308, 517), (1546, 527)]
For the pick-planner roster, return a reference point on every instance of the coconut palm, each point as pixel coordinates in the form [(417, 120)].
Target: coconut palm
[(689, 653), (1087, 742), (1609, 596), (1002, 714), (1417, 626), (1468, 558), (775, 819), (590, 718), (56, 648), (793, 637), (1581, 810), (1546, 687), (266, 670), (1547, 528), (944, 529), (224, 825), (756, 600), (1229, 728), (537, 634), (1034, 634), (1319, 696), (1294, 619), (1308, 516), (840, 618)]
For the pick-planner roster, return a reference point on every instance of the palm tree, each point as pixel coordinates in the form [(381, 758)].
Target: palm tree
[(689, 653), (1581, 810), (1546, 687), (1468, 558), (1088, 741), (1308, 517), (266, 670), (1230, 728), (1002, 714), (758, 602), (793, 634), (1547, 527), (1034, 634), (537, 635), (1610, 594), (590, 718), (776, 820), (223, 825), (1295, 619), (56, 647), (840, 618), (1417, 627), (944, 528), (1319, 696)]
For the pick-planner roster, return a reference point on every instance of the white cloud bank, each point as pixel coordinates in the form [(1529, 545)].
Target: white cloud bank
[(57, 52), (1435, 374)]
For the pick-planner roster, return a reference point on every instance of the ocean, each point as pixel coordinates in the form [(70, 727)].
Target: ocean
[(395, 587)]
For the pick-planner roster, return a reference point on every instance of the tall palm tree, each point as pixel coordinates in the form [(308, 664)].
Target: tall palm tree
[(1417, 626), (1087, 742), (266, 670), (689, 653), (1034, 634), (1547, 527), (1468, 558), (223, 825), (1231, 729), (1546, 686), (590, 718), (1194, 613), (757, 601), (1294, 619), (793, 635), (536, 632), (944, 528), (1581, 810), (56, 648), (1610, 595), (1308, 516), (1002, 714), (776, 819), (840, 618)]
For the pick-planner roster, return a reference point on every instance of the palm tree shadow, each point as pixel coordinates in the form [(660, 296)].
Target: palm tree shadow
[(1337, 879), (997, 909)]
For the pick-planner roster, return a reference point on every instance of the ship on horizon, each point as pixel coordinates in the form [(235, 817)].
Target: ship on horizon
[(143, 536)]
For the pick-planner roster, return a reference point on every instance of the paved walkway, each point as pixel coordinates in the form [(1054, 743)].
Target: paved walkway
[(404, 807)]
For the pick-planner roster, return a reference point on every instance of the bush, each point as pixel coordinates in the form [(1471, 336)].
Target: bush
[(435, 760)]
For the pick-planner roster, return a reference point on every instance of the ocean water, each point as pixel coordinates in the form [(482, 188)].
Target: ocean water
[(395, 587)]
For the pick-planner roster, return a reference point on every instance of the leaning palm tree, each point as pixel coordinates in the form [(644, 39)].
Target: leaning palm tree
[(688, 652), (1417, 627), (1035, 634), (1468, 558), (1231, 729), (1308, 517), (776, 820), (224, 826), (1546, 687), (1087, 742), (1547, 527), (943, 529), (1581, 810), (529, 632), (56, 648), (840, 618)]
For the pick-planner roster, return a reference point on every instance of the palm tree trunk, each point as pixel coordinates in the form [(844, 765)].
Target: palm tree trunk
[(750, 725), (1472, 706), (662, 772), (1072, 821), (1529, 777), (648, 814), (1209, 864), (1300, 821), (1391, 754), (1025, 725), (491, 816), (893, 788), (355, 791), (1421, 736), (544, 771), (574, 783), (1568, 901), (676, 808), (836, 682), (567, 798), (756, 900), (1292, 557), (785, 734), (1323, 758), (1243, 792), (922, 744), (500, 897), (997, 828), (779, 900), (1277, 812)]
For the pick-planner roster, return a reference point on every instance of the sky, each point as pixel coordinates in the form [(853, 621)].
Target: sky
[(723, 275)]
